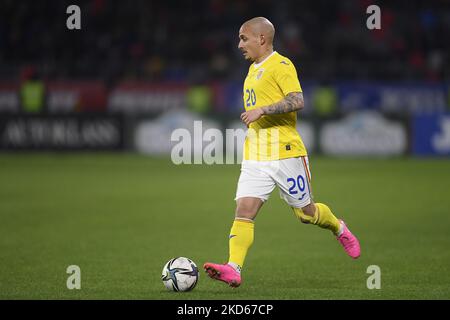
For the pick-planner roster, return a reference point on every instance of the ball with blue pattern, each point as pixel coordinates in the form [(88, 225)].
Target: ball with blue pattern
[(180, 274)]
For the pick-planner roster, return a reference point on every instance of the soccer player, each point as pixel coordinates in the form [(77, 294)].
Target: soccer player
[(274, 154)]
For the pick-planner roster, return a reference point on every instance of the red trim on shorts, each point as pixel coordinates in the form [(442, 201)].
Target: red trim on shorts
[(305, 165)]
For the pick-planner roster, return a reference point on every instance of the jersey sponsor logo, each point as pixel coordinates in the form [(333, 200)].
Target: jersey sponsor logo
[(284, 62)]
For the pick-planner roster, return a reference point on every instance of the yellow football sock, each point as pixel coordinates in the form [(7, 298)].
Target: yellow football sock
[(326, 218), (323, 217), (241, 238)]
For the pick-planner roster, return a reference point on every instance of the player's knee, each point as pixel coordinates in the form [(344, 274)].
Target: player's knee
[(246, 211), (248, 207), (306, 214)]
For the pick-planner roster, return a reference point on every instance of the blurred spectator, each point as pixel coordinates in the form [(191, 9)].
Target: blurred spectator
[(199, 99), (324, 100), (167, 40), (32, 91)]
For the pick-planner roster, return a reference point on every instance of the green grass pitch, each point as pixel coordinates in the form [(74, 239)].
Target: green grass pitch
[(120, 217)]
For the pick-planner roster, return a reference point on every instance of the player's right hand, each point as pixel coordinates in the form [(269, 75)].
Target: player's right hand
[(251, 116)]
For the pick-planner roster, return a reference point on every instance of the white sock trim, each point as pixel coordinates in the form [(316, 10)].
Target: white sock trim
[(235, 266), (341, 229)]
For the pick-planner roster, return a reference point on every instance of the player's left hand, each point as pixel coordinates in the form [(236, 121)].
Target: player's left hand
[(251, 116)]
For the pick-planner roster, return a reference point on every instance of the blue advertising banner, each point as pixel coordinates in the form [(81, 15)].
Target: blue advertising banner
[(394, 98), (431, 134), (415, 98)]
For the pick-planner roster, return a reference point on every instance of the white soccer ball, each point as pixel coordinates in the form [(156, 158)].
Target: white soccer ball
[(180, 274)]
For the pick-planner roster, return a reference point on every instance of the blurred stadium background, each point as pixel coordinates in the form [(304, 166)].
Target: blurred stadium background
[(86, 118)]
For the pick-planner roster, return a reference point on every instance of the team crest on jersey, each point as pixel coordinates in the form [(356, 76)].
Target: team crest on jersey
[(259, 74)]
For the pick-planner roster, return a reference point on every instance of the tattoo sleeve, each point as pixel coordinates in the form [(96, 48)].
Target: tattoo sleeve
[(292, 102)]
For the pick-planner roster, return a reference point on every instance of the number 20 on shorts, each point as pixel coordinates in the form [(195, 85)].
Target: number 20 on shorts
[(297, 185)]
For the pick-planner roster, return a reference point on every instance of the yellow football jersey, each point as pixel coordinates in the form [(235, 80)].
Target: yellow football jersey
[(272, 137)]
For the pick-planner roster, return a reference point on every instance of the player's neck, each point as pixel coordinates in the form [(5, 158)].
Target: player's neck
[(264, 56)]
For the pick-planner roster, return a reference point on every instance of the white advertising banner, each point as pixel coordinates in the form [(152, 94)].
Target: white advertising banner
[(363, 133)]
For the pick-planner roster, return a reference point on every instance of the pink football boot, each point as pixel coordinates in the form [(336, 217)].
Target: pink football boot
[(349, 242), (223, 272)]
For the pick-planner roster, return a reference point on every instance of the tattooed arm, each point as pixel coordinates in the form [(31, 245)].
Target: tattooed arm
[(292, 102)]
